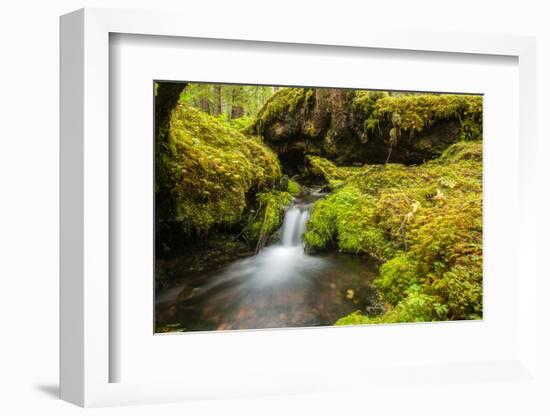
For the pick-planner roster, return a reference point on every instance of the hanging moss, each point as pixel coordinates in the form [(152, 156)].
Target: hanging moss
[(360, 126), (364, 105), (424, 221), (284, 101), (414, 113), (205, 171)]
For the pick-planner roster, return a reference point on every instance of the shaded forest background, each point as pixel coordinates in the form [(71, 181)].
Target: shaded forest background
[(236, 104)]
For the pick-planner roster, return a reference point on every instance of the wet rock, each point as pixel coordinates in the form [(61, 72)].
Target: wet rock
[(186, 293)]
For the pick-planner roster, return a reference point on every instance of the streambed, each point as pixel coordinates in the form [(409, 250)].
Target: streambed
[(281, 286)]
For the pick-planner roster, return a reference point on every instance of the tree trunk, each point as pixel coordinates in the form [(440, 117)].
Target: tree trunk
[(237, 112), (218, 98), (204, 104), (166, 99)]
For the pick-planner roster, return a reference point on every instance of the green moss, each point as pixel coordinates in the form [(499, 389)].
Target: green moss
[(364, 104), (322, 169), (416, 307), (355, 318), (425, 221), (366, 100), (293, 187), (242, 124), (411, 114), (205, 169), (286, 100), (267, 218), (462, 151), (350, 126), (310, 130), (397, 275), (344, 219)]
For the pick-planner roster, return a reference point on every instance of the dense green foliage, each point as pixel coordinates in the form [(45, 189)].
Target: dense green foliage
[(209, 170), (237, 104), (424, 222), (293, 187)]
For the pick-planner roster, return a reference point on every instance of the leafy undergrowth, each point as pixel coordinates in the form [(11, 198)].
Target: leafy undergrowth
[(423, 222), (206, 170)]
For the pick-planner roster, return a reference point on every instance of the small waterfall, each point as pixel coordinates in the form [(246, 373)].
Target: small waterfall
[(294, 225), (281, 286)]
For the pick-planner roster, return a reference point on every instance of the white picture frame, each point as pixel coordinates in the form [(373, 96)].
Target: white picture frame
[(85, 211)]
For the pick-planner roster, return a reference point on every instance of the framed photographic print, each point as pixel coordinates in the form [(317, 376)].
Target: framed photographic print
[(334, 204)]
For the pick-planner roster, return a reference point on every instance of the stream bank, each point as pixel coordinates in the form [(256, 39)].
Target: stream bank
[(281, 286)]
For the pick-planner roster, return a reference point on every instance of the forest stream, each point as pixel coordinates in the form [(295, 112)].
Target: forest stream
[(280, 286), (246, 237)]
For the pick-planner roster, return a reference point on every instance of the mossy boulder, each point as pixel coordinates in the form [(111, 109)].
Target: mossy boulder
[(423, 222), (293, 187), (321, 170), (351, 126), (207, 175)]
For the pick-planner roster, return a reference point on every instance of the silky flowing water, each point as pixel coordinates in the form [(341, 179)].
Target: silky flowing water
[(281, 286)]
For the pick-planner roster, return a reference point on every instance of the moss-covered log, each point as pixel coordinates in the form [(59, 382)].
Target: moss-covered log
[(353, 126)]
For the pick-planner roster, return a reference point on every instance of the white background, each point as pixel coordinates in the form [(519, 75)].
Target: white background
[(29, 216)]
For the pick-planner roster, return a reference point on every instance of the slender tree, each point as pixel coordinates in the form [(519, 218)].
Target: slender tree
[(218, 99), (237, 102)]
